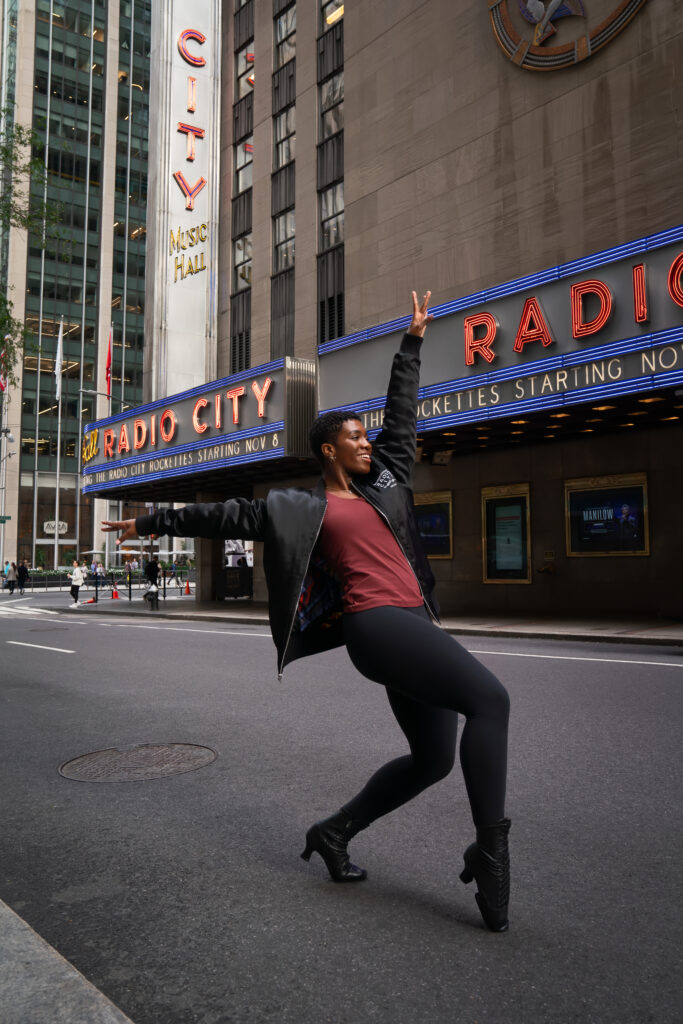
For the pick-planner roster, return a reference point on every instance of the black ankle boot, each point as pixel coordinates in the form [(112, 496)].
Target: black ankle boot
[(329, 838), (488, 862)]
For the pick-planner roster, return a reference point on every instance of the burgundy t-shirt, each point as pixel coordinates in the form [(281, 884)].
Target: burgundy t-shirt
[(364, 555)]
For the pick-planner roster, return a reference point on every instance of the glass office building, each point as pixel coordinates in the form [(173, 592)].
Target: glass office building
[(78, 74)]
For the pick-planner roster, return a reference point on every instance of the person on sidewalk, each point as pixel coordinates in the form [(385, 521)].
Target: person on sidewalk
[(12, 577), (76, 577), (22, 576), (344, 565)]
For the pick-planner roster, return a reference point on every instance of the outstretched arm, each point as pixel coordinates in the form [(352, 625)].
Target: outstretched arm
[(237, 517), (396, 442)]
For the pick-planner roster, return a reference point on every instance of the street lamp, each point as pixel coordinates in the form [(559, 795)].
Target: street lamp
[(6, 436)]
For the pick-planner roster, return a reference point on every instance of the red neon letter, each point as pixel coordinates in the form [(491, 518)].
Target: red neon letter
[(191, 33), (234, 394), (192, 133), (261, 394), (153, 429), (167, 433), (109, 442), (217, 406), (673, 281), (599, 288), (124, 443), (139, 433), (191, 94), (532, 327), (189, 191), (201, 403), (480, 345), (640, 311)]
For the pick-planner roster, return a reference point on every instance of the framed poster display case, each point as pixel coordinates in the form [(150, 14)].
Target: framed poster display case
[(434, 514), (506, 532), (607, 516)]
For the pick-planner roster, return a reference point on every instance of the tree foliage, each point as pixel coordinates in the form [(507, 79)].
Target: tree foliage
[(23, 205)]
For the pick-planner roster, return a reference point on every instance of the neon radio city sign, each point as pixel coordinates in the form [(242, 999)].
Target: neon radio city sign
[(191, 417), (191, 131), (481, 329)]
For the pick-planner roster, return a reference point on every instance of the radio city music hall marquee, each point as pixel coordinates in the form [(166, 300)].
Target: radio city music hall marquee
[(236, 420), (552, 339)]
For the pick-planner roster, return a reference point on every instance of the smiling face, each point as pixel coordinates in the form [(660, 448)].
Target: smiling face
[(350, 449)]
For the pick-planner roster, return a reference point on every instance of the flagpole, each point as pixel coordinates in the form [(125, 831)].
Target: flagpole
[(58, 377)]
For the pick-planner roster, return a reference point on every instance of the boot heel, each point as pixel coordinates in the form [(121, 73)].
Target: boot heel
[(466, 875), (306, 855)]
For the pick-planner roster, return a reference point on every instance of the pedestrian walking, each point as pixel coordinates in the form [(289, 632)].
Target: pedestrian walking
[(76, 577), (12, 577), (344, 564), (22, 576)]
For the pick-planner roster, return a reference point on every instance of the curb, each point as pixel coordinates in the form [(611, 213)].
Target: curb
[(531, 632), (38, 984)]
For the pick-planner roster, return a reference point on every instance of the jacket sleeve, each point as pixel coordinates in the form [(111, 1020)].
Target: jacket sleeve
[(237, 517), (396, 443)]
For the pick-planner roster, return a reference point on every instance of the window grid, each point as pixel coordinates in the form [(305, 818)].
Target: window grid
[(331, 12), (332, 106), (332, 216), (242, 263), (285, 137), (284, 239), (244, 70), (285, 37), (244, 155)]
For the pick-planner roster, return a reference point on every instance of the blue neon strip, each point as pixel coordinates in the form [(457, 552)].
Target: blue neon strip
[(185, 470), (591, 394), (272, 428), (520, 284), (670, 336), (162, 403)]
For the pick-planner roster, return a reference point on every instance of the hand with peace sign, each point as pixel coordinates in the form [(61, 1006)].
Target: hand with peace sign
[(421, 317)]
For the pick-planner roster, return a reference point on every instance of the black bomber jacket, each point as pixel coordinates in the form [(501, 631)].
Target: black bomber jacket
[(304, 600)]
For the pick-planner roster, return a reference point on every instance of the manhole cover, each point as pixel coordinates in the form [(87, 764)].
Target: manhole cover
[(137, 764)]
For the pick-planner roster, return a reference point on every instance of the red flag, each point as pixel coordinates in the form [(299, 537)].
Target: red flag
[(3, 374), (108, 369)]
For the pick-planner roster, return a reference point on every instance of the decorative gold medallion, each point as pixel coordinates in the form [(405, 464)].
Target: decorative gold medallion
[(526, 30)]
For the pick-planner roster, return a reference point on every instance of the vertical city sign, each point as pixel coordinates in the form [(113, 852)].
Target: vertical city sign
[(181, 313)]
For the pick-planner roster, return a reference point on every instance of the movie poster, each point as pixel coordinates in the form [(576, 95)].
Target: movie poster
[(609, 519)]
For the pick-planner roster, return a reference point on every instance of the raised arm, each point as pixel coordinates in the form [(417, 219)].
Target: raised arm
[(396, 442)]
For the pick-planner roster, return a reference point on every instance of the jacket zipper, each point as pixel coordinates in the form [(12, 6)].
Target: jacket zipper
[(386, 520), (281, 666)]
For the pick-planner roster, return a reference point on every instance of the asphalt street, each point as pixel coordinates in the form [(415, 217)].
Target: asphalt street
[(184, 899)]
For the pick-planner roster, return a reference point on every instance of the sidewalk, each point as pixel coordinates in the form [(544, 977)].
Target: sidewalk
[(611, 629)]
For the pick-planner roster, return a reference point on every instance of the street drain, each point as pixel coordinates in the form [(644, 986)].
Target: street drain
[(137, 764)]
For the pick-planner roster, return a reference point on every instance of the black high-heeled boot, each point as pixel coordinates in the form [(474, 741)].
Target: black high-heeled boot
[(488, 862), (329, 838)]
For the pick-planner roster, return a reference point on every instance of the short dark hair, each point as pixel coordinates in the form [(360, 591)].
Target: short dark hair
[(326, 427)]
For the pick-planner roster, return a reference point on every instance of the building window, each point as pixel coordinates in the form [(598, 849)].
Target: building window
[(332, 106), (244, 155), (283, 231), (244, 66), (239, 4), (332, 216), (241, 258), (285, 137), (285, 37), (332, 11)]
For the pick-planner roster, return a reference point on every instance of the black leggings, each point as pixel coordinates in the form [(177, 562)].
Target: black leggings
[(429, 678)]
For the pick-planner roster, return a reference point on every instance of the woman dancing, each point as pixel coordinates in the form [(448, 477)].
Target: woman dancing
[(344, 565)]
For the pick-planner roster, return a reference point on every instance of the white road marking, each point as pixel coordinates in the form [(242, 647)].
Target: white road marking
[(18, 643), (567, 657)]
